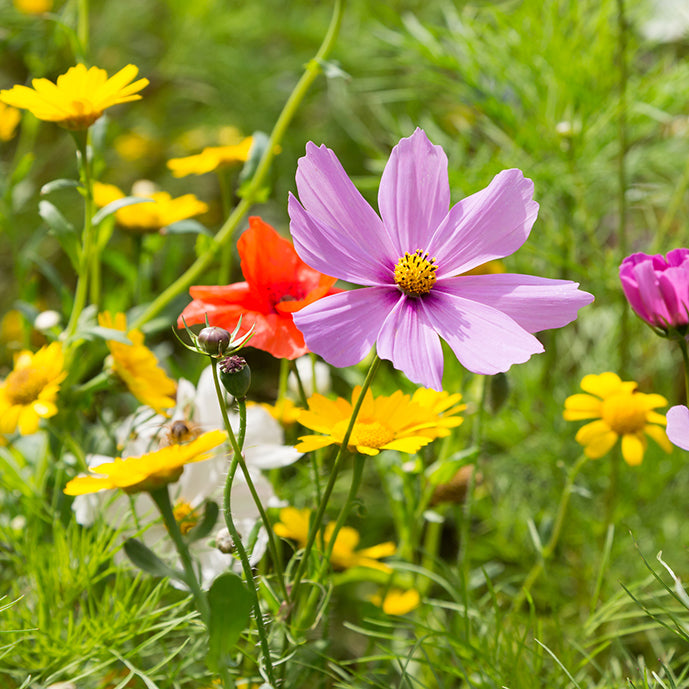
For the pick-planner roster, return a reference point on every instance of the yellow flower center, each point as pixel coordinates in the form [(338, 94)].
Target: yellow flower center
[(186, 516), (24, 385), (624, 413), (415, 274), (366, 434)]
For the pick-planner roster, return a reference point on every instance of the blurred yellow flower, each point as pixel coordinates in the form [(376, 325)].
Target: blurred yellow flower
[(149, 471), (33, 6), (211, 158), (397, 422), (294, 524), (79, 97), (619, 410), (397, 601), (151, 216), (488, 268), (138, 367), (284, 411), (9, 119), (132, 146), (29, 392)]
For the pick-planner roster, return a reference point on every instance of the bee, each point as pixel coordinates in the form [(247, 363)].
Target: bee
[(180, 431)]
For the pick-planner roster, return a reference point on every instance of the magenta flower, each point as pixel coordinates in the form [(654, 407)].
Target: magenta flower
[(678, 426), (658, 288), (409, 260)]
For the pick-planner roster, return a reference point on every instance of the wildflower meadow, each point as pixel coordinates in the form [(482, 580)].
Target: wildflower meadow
[(344, 344)]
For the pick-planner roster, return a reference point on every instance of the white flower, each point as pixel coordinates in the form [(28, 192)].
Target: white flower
[(197, 410)]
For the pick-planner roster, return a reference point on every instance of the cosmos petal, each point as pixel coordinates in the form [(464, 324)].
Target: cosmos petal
[(534, 303), (485, 340), (335, 251), (678, 426), (329, 197), (414, 193), (343, 327), (490, 224), (408, 339)]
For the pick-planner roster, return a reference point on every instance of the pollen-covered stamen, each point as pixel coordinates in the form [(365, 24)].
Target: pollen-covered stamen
[(415, 273)]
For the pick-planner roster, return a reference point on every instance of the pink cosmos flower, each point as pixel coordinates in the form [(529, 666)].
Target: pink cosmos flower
[(678, 426), (658, 288), (409, 261)]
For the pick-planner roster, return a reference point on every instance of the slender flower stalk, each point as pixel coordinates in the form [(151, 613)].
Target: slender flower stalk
[(81, 137), (237, 460), (161, 497), (357, 473), (550, 546), (622, 173), (317, 521), (225, 233)]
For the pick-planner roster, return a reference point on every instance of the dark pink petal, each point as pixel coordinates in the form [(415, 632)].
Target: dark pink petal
[(318, 244), (533, 303), (490, 224), (408, 340), (343, 327), (484, 339), (678, 426), (414, 193), (327, 193), (651, 298)]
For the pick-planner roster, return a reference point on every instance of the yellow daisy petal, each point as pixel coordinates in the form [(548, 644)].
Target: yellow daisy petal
[(660, 436), (633, 447)]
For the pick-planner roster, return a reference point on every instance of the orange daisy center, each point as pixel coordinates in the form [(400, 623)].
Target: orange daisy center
[(25, 385), (624, 413)]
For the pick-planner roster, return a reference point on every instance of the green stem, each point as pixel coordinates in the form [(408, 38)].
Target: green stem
[(87, 239), (312, 600), (317, 521), (83, 27), (225, 271), (549, 548), (685, 358), (622, 178), (313, 69), (237, 460), (161, 497)]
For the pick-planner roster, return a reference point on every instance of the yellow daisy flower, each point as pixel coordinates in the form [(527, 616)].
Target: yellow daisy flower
[(79, 97), (619, 410), (9, 119), (149, 471), (151, 216), (397, 422), (294, 524), (397, 601), (285, 411), (29, 392), (138, 367), (211, 158)]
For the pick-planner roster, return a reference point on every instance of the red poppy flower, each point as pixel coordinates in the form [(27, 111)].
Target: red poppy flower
[(277, 283)]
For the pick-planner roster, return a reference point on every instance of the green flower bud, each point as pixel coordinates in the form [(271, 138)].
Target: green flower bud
[(235, 375), (214, 340)]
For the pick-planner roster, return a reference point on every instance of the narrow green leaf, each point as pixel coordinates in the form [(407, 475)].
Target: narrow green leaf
[(114, 206), (230, 605), (187, 227), (144, 558), (62, 229), (58, 184), (205, 526)]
